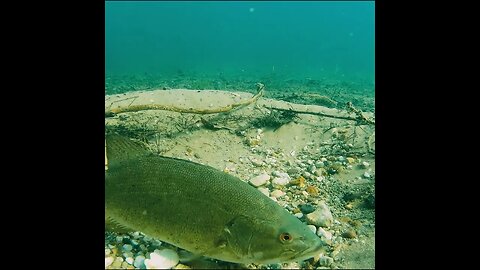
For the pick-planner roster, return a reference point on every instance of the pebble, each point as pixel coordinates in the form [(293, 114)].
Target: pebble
[(322, 233), (309, 162), (127, 247), (293, 171), (350, 160), (260, 180), (162, 259), (107, 251), (349, 234), (319, 164), (108, 261), (323, 159), (139, 261), (264, 190), (313, 228), (325, 261), (256, 162), (321, 217), (277, 193), (281, 181), (341, 158), (306, 174), (365, 164), (117, 263), (312, 168), (366, 175), (307, 208), (128, 254), (129, 260), (298, 215)]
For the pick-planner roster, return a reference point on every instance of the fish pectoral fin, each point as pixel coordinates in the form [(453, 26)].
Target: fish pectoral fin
[(113, 226)]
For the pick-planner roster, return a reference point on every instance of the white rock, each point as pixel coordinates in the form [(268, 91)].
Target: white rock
[(277, 193), (365, 164), (321, 217), (264, 190), (127, 247), (324, 234), (366, 175), (260, 180), (299, 215), (306, 174), (129, 260), (281, 181), (313, 228), (107, 251), (108, 261), (127, 254), (162, 259), (323, 159), (309, 162), (319, 164), (139, 262)]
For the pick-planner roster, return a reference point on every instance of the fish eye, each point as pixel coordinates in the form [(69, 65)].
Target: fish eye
[(285, 237)]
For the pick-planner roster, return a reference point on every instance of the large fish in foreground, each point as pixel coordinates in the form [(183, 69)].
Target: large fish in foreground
[(200, 209)]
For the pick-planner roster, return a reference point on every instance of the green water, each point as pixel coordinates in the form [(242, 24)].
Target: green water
[(223, 45)]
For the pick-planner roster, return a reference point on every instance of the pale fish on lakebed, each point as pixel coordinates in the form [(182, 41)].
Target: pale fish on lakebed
[(200, 209)]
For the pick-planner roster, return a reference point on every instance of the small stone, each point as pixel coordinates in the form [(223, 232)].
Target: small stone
[(323, 159), (139, 262), (322, 233), (309, 162), (129, 260), (127, 254), (305, 193), (312, 169), (281, 180), (307, 208), (306, 174), (366, 175), (127, 247), (325, 261), (350, 234), (313, 228), (341, 159), (321, 217), (107, 251), (259, 180), (277, 193), (108, 261), (293, 171), (300, 181), (350, 160), (264, 190), (256, 162), (298, 215), (365, 165), (162, 259), (312, 190)]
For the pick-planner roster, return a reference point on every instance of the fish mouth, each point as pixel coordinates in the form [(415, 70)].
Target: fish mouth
[(308, 252)]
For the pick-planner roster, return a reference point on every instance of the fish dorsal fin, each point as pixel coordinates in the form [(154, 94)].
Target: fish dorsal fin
[(122, 148)]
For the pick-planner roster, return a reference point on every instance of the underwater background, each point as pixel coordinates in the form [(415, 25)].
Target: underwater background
[(227, 45)]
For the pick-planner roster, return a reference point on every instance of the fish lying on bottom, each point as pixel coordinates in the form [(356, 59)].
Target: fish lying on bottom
[(199, 208)]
